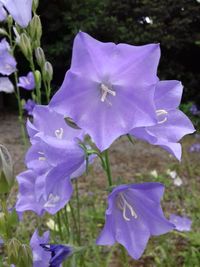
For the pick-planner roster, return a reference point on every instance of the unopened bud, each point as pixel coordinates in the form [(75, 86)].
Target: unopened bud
[(35, 5), (13, 251), (35, 28), (10, 20), (38, 78), (40, 57), (48, 71), (6, 169), (25, 256), (25, 45)]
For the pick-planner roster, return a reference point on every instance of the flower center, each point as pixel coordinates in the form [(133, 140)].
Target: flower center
[(124, 206), (41, 157), (59, 133), (52, 201), (161, 115), (105, 90)]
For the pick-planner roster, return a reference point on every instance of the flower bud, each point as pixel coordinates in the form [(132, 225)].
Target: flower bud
[(25, 256), (13, 251), (6, 170), (35, 28), (10, 20), (38, 78), (48, 71), (35, 5), (40, 57), (25, 45)]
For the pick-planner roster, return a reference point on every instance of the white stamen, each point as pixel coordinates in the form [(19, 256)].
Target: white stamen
[(161, 112), (123, 205), (106, 90), (42, 157), (59, 133), (52, 201)]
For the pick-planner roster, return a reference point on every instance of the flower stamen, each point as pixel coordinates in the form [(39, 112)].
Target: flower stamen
[(106, 90), (123, 205), (160, 113), (52, 201), (42, 156), (59, 133)]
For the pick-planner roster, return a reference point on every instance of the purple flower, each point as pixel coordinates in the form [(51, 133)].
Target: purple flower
[(195, 148), (133, 215), (7, 61), (58, 253), (20, 10), (6, 85), (41, 257), (181, 223), (27, 82), (172, 124), (29, 106), (3, 13), (107, 88)]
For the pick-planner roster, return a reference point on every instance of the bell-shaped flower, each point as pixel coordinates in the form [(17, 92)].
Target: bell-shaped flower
[(59, 253), (41, 257), (181, 223), (27, 82), (3, 13), (134, 214), (20, 10), (172, 124), (7, 61), (109, 88), (29, 106), (6, 85)]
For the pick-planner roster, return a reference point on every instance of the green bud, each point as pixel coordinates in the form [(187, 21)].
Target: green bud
[(10, 20), (48, 71), (40, 57), (35, 5), (13, 251), (3, 32), (25, 45), (38, 79), (35, 29), (6, 169), (25, 256)]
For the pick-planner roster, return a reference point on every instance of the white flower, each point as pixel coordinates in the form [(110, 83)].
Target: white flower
[(178, 181), (172, 174), (154, 173), (6, 85)]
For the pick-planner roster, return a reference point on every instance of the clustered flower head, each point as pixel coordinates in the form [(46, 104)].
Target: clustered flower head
[(110, 90)]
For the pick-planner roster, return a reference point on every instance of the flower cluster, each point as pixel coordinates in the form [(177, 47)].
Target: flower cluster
[(110, 90)]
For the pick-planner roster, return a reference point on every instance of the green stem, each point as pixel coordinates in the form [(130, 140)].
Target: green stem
[(78, 211), (37, 86), (59, 225), (108, 170), (124, 257), (75, 222)]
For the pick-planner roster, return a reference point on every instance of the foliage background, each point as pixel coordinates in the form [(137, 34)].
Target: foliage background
[(176, 25)]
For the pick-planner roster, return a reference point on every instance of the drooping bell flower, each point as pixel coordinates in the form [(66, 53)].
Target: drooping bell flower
[(133, 215), (6, 85), (27, 82), (7, 61), (20, 10), (107, 88), (181, 223), (59, 253), (3, 13), (172, 124), (41, 257)]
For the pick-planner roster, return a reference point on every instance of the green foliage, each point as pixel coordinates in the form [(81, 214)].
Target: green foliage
[(175, 26)]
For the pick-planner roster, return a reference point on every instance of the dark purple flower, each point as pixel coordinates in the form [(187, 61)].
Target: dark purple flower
[(194, 110), (3, 13), (195, 148), (27, 82), (41, 257), (133, 215), (7, 61), (59, 253), (29, 106), (181, 223), (172, 124), (20, 10), (107, 88)]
